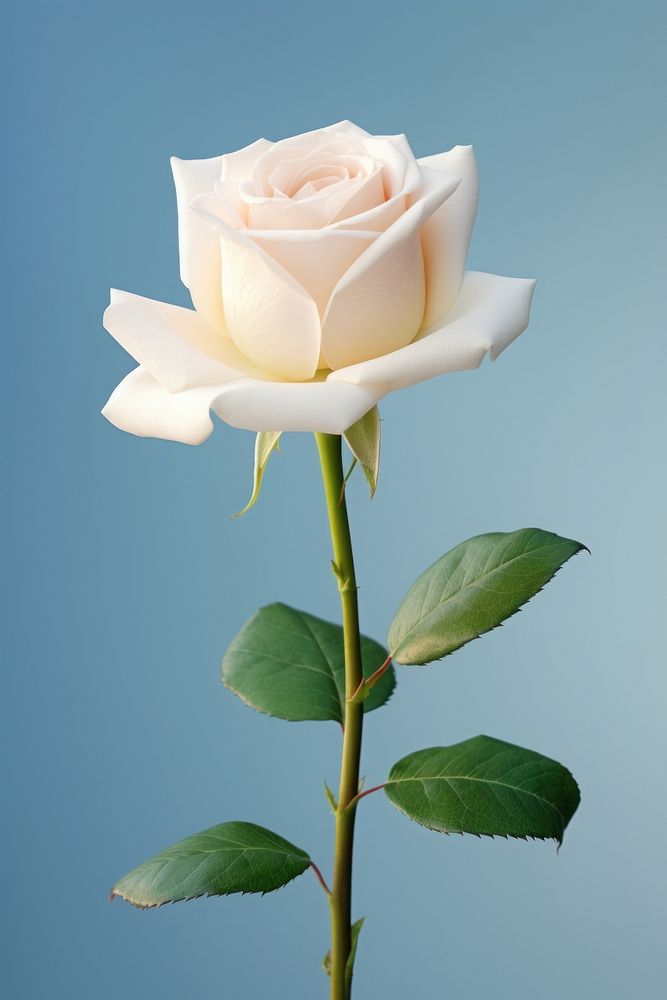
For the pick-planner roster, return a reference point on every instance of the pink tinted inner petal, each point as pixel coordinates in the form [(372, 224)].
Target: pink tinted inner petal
[(321, 195), (333, 178), (314, 184), (316, 179)]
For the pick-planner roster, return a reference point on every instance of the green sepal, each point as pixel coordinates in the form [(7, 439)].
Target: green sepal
[(266, 443), (363, 440)]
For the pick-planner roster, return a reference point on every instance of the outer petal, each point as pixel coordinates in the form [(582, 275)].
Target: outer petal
[(198, 247), (294, 406), (270, 316), (489, 314), (446, 235), (175, 345), (140, 405), (378, 304)]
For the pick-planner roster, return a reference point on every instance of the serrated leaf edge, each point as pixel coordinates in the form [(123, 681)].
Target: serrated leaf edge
[(339, 719), (480, 834), (114, 894), (206, 895), (454, 649)]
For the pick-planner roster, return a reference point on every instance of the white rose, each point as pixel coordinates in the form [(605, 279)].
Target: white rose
[(325, 270)]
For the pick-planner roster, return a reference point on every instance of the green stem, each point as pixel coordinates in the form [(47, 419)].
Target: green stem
[(340, 901)]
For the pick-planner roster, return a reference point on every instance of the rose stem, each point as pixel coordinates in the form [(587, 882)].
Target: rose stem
[(340, 901)]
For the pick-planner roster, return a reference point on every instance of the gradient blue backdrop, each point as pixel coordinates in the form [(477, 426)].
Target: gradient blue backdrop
[(127, 579)]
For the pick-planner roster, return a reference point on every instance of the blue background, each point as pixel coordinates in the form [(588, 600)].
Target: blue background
[(127, 579)]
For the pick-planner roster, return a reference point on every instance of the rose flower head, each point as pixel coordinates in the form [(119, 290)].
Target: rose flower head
[(325, 270)]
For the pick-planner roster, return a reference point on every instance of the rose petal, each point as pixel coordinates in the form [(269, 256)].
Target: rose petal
[(378, 304), (238, 166), (401, 171), (316, 258), (270, 316), (324, 164), (367, 195), (333, 202), (446, 235), (490, 312), (299, 149), (295, 406), (376, 219), (198, 247), (174, 344), (140, 405)]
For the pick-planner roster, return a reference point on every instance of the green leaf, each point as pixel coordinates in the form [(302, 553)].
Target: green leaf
[(290, 664), (473, 589), (230, 857), (266, 443), (486, 787), (355, 931), (363, 440)]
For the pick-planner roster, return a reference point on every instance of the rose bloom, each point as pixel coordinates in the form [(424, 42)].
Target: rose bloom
[(325, 271)]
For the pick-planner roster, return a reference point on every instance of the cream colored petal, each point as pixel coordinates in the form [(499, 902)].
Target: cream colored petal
[(490, 312), (317, 258), (238, 166), (337, 201), (378, 305), (300, 147), (236, 209), (376, 219), (321, 165), (175, 345), (140, 405), (446, 235), (369, 194), (400, 169), (295, 406), (198, 247), (270, 316), (348, 127)]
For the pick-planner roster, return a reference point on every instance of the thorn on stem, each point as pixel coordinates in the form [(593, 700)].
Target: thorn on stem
[(330, 798)]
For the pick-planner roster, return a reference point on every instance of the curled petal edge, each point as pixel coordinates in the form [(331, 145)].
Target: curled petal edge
[(490, 312), (446, 234), (174, 344), (141, 406)]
